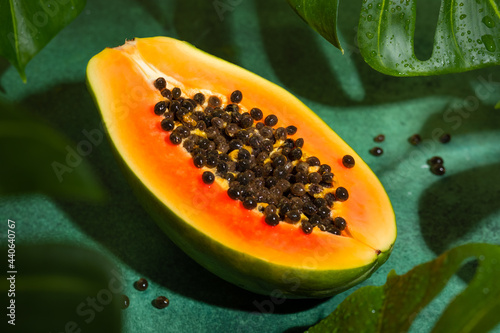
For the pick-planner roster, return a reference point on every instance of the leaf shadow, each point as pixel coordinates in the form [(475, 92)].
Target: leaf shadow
[(294, 54), (454, 206), (204, 24), (4, 65), (123, 227)]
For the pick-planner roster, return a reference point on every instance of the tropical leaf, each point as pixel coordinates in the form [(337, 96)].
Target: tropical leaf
[(27, 26)]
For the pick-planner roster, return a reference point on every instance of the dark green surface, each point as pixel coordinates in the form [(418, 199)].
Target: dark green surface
[(268, 38)]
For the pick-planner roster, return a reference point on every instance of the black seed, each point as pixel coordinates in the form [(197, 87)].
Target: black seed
[(307, 228), (250, 203), (166, 93), (341, 194), (348, 161), (213, 101), (324, 168), (243, 165), (183, 131), (315, 220), (309, 209), (270, 209), (298, 189), (199, 98), (167, 125), (256, 113), (280, 160), (236, 96), (169, 115), (314, 177), (266, 132), (188, 145), (268, 169), (295, 154), (199, 161), (141, 284), (319, 202), (161, 302), (280, 172), (175, 106), (235, 144), (232, 108), (293, 215), (243, 154), (246, 121), (222, 168), (379, 138), (376, 151), (272, 219), (160, 83), (340, 223), (438, 169), (188, 105), (271, 181), (203, 143), (313, 161), (175, 138), (280, 134), (445, 138), (212, 161), (327, 177), (176, 93), (229, 177), (302, 167), (208, 177), (415, 139), (259, 125), (323, 212), (160, 108), (300, 177), (271, 120), (217, 122), (125, 302), (299, 143), (267, 145), (334, 230), (330, 199), (435, 160), (315, 189), (234, 193), (286, 151), (291, 130)]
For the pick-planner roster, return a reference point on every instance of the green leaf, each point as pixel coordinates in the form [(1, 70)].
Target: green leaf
[(54, 285), (321, 15), (467, 34), (393, 306), (36, 158), (466, 38), (27, 26)]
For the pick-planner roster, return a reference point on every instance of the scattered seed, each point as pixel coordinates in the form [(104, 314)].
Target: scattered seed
[(272, 219), (291, 130), (160, 108), (341, 194), (415, 139), (435, 160), (256, 113), (214, 101), (161, 302), (438, 169), (166, 93), (141, 284), (379, 138), (176, 93), (271, 120), (445, 138), (340, 223), (376, 151), (125, 302)]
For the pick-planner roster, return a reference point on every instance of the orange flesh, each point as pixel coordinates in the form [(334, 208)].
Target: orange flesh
[(122, 80)]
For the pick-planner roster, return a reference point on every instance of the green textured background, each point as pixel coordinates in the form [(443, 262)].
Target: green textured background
[(266, 37)]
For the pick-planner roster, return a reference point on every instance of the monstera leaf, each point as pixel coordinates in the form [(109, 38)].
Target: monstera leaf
[(391, 308), (27, 26), (467, 34)]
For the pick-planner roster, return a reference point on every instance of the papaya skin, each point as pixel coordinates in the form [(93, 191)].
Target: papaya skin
[(318, 273)]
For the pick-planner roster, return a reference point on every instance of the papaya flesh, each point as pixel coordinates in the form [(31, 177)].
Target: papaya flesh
[(224, 235)]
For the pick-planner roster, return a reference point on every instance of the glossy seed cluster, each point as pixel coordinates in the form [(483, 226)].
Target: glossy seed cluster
[(258, 160)]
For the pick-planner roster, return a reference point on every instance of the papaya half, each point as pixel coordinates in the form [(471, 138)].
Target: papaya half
[(239, 173)]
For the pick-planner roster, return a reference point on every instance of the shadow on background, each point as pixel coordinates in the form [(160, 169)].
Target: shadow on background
[(4, 65), (121, 224), (454, 206), (295, 55), (204, 24)]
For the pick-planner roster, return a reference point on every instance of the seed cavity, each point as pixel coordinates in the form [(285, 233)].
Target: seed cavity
[(260, 164)]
